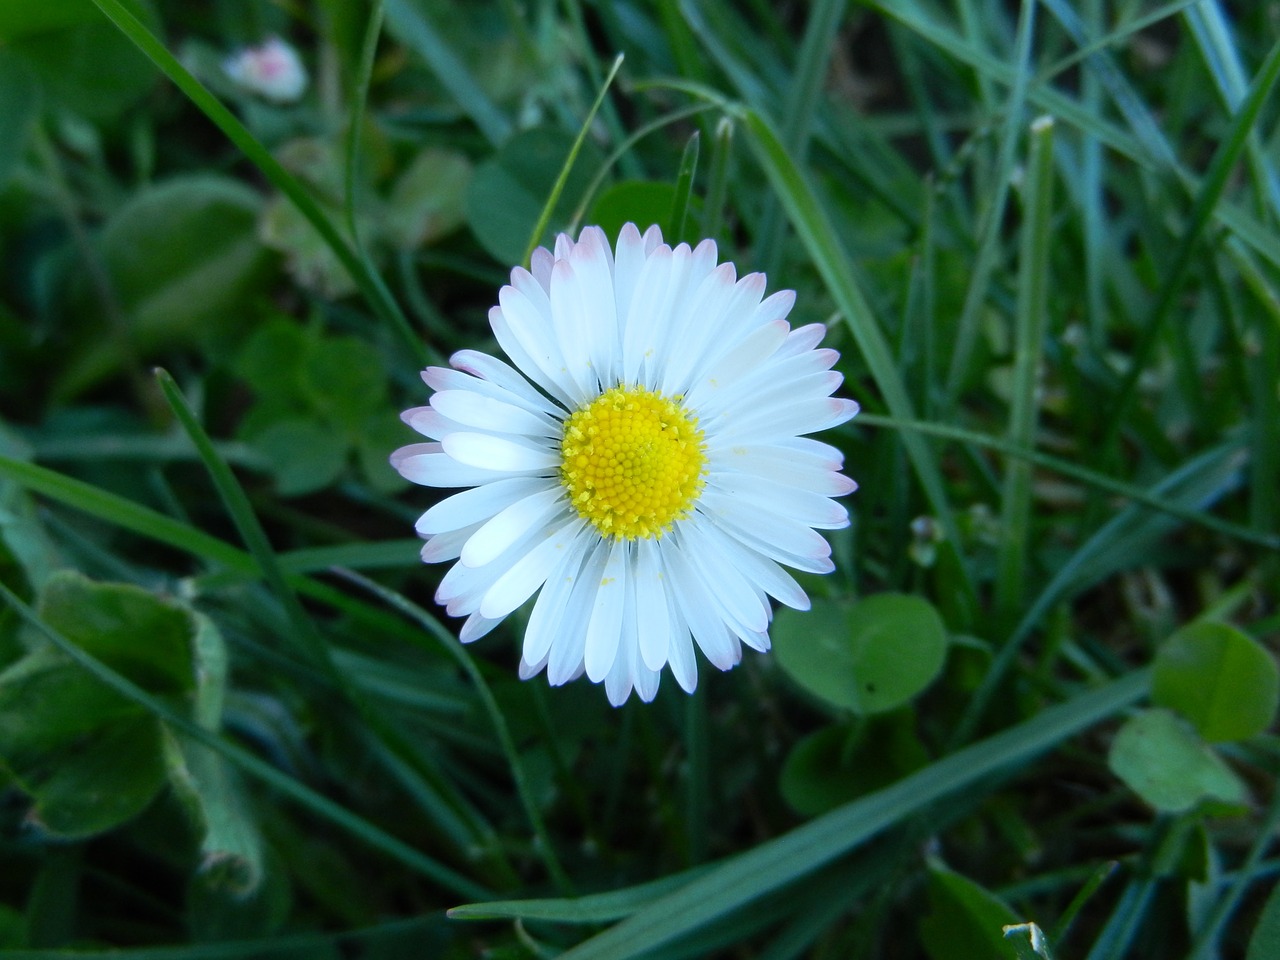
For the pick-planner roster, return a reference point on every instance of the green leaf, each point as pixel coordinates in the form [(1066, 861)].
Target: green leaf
[(769, 866), (380, 434), (271, 359), (1219, 678), (230, 846), (304, 456), (965, 919), (310, 257), (183, 261), (128, 628), (81, 62), (18, 20), (1265, 942), (90, 758), (840, 762), (505, 199), (1160, 758), (641, 202), (870, 657), (428, 199), (344, 379), (19, 110)]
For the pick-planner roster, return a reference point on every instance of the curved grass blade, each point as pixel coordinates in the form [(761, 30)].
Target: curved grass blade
[(359, 97), (545, 845), (370, 284), (766, 868), (237, 504), (421, 35), (553, 198), (1067, 468), (1206, 202)]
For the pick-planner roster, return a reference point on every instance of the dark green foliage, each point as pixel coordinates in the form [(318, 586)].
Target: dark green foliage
[(1041, 685)]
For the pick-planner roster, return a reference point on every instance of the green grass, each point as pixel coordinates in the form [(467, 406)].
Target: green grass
[(1043, 237)]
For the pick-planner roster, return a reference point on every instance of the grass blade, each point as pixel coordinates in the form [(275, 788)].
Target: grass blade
[(545, 845), (678, 218), (980, 279), (255, 538), (553, 198), (769, 866), (1206, 202), (826, 251), (421, 35), (1030, 327)]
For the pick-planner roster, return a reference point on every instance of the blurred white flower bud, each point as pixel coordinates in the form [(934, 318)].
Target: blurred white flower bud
[(272, 70)]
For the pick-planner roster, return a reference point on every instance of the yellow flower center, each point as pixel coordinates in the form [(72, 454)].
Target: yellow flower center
[(632, 462)]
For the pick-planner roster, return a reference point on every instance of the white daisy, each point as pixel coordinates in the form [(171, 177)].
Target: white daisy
[(643, 464)]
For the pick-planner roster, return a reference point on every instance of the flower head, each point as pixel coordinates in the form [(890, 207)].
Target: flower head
[(272, 70), (643, 468)]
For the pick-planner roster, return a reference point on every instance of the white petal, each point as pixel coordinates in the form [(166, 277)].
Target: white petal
[(711, 634), (427, 422), (764, 573), (737, 601), (485, 367), (572, 331), (749, 353), (654, 627), (476, 627), (549, 611), (624, 673), (782, 465), (605, 626), (769, 383), (444, 378), (429, 465), (447, 546), (641, 330), (526, 332), (627, 264), (808, 415), (777, 537), (664, 334), (528, 669), (497, 453), (592, 268), (803, 339), (684, 665), (565, 661), (540, 264), (484, 413), (477, 504), (529, 572), (717, 307), (763, 496), (511, 524)]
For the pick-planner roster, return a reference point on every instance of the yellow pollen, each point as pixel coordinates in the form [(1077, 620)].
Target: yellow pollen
[(632, 462)]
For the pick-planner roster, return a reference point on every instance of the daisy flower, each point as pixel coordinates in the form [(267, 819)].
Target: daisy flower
[(643, 467)]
